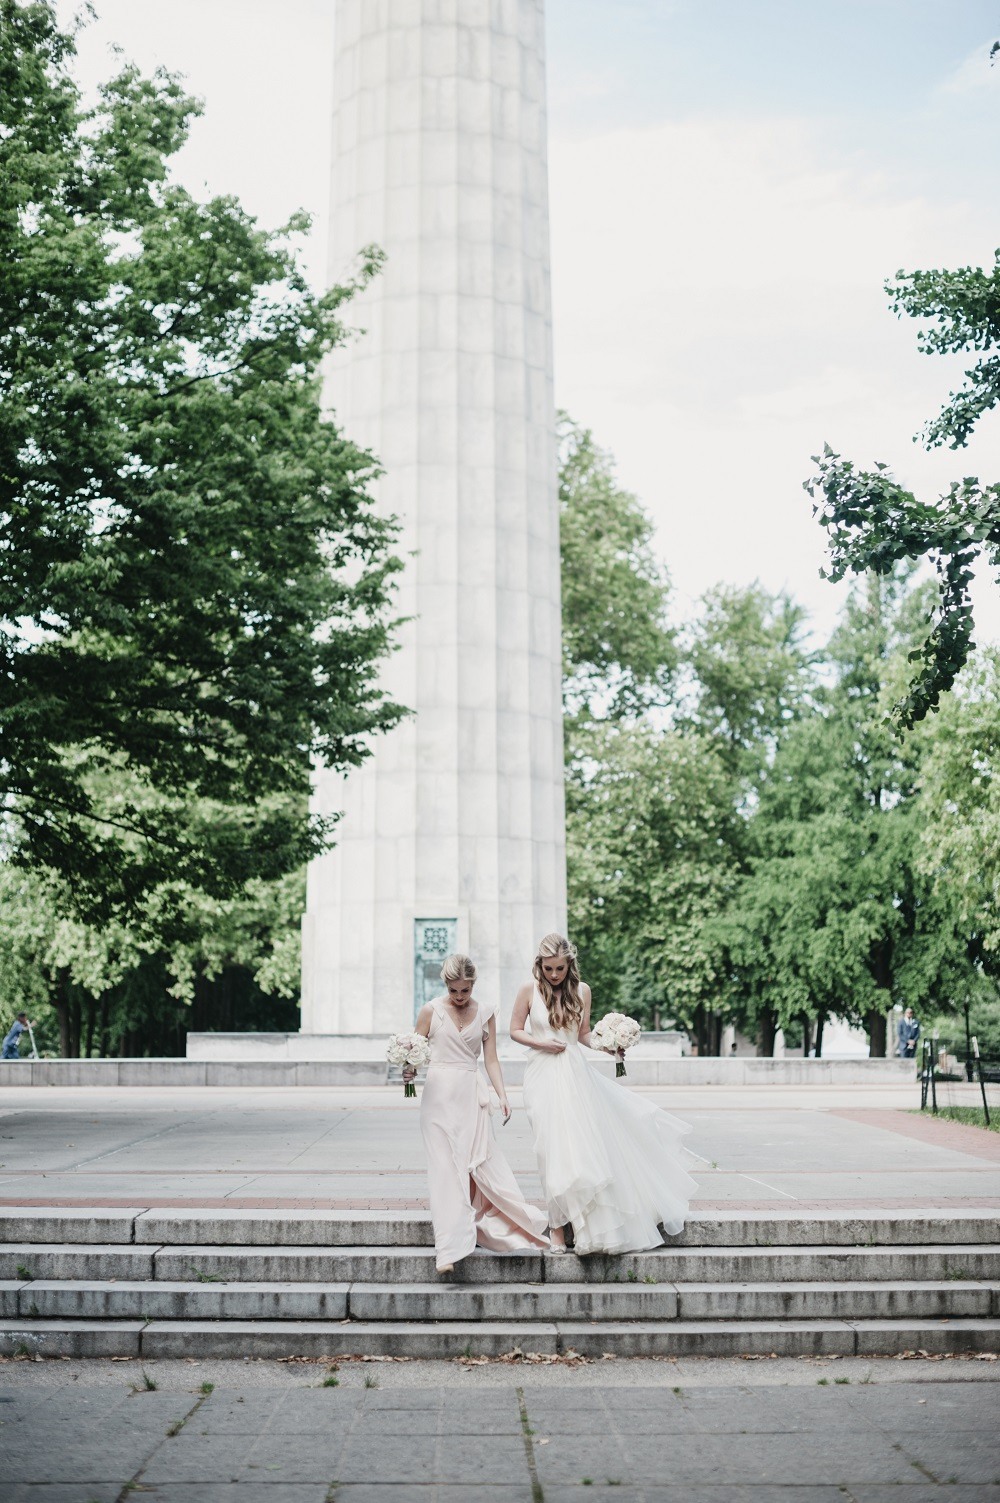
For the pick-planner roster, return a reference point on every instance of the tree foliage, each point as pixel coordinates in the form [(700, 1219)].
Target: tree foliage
[(619, 653), (193, 582), (752, 845), (960, 777), (835, 916), (874, 523), (650, 850), (751, 673)]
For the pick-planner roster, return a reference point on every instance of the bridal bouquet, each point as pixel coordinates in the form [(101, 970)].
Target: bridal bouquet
[(412, 1051), (617, 1033)]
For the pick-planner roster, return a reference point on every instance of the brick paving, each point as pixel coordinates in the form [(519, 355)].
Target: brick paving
[(925, 1127)]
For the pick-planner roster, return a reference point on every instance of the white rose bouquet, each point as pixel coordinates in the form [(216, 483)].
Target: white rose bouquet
[(412, 1051), (615, 1032)]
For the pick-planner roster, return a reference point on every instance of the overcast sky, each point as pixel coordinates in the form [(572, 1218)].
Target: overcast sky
[(731, 183)]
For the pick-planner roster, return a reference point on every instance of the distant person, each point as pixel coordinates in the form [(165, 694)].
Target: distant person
[(909, 1032), (12, 1043)]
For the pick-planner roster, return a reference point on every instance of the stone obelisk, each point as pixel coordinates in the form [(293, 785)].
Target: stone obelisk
[(452, 833)]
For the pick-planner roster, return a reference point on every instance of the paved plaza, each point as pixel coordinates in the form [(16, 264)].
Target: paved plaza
[(675, 1429), (808, 1431), (356, 1148)]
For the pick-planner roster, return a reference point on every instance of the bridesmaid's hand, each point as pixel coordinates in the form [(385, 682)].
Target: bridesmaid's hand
[(550, 1046), (505, 1109), (409, 1073)]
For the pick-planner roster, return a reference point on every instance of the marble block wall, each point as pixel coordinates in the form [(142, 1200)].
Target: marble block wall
[(439, 157)]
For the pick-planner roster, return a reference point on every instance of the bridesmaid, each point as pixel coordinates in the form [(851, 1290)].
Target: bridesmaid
[(474, 1197)]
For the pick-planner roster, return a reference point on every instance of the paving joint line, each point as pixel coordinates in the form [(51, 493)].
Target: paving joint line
[(917, 1465), (537, 1495), (133, 1482), (110, 1153), (333, 1127)]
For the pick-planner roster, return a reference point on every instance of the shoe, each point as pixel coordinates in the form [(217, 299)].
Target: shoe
[(444, 1268), (556, 1249)]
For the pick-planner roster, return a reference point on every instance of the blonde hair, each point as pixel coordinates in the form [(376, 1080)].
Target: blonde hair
[(458, 968), (565, 1005)]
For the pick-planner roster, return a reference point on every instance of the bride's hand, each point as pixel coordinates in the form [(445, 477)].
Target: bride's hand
[(551, 1046)]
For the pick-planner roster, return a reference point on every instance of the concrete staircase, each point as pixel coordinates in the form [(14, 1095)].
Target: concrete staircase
[(151, 1283)]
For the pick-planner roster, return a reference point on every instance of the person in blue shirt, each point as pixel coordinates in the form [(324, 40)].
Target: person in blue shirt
[(909, 1032), (12, 1043)]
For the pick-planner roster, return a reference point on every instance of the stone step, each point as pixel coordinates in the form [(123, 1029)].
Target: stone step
[(74, 1260), (183, 1226), (388, 1265), (319, 1339), (753, 1265), (172, 1301), (403, 1266), (637, 1302), (52, 1299)]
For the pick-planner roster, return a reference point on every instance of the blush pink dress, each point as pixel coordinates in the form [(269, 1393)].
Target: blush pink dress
[(474, 1196)]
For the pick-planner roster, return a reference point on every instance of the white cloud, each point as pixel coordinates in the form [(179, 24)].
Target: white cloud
[(718, 283), (974, 74), (719, 314)]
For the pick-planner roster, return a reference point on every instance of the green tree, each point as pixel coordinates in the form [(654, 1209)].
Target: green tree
[(649, 848), (137, 985), (752, 674), (960, 841), (619, 652), (834, 916), (874, 523), (194, 584)]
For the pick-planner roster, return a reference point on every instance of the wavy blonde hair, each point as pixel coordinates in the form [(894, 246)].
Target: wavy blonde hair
[(564, 1006), (458, 968)]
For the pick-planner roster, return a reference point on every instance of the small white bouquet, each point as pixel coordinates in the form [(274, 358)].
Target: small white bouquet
[(616, 1033), (412, 1051)]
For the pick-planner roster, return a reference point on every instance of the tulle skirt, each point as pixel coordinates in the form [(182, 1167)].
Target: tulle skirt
[(609, 1159)]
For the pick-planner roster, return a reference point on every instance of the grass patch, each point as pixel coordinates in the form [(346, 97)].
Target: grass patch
[(205, 1278), (25, 1273), (207, 1388), (370, 1380), (972, 1116), (331, 1381)]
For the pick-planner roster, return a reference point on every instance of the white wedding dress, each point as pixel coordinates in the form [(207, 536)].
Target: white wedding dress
[(609, 1159)]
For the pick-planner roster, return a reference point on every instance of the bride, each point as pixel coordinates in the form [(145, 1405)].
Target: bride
[(608, 1158)]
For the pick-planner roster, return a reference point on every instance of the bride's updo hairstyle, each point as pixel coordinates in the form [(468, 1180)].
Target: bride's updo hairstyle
[(458, 968), (564, 1006)]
